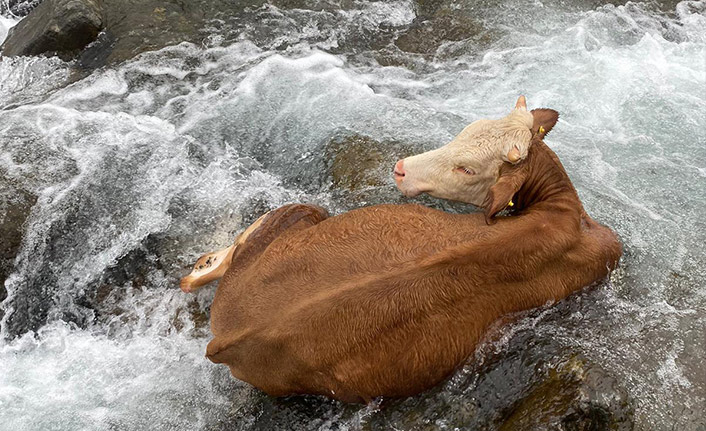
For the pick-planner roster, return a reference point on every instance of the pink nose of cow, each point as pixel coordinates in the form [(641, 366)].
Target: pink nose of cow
[(399, 170)]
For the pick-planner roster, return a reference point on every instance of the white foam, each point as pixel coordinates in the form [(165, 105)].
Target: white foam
[(66, 378), (5, 25)]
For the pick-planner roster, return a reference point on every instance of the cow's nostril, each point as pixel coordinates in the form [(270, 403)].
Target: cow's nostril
[(399, 168)]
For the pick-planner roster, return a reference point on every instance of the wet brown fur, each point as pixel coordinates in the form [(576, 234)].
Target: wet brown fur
[(389, 300)]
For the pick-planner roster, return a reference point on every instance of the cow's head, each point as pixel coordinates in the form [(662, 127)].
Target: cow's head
[(465, 168)]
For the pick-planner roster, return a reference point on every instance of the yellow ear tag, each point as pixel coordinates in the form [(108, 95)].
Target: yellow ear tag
[(510, 204), (541, 129)]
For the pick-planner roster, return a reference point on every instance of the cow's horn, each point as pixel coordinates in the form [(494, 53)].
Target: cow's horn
[(521, 103), (513, 155)]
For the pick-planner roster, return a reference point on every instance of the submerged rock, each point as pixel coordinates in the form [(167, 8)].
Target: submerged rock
[(574, 396), (357, 170), (133, 27), (438, 23), (346, 161), (61, 27), (15, 206), (357, 162), (426, 36)]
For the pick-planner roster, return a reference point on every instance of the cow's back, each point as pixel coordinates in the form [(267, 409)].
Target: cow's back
[(365, 243)]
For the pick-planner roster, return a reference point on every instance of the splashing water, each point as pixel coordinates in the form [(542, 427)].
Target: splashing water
[(132, 172)]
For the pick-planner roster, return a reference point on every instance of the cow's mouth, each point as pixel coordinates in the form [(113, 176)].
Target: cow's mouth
[(410, 190)]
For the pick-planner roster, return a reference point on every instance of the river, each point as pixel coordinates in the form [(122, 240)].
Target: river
[(122, 177)]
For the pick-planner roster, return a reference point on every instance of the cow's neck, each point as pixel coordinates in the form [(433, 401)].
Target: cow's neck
[(547, 185)]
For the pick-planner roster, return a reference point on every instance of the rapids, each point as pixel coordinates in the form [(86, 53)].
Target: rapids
[(125, 176)]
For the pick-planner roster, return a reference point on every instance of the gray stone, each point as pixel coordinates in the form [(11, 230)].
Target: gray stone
[(61, 27), (16, 204), (577, 396), (132, 27), (443, 24)]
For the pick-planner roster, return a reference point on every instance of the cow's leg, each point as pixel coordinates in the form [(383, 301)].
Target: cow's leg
[(251, 242), (212, 266)]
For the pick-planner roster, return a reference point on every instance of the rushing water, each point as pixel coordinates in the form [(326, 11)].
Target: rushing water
[(133, 171)]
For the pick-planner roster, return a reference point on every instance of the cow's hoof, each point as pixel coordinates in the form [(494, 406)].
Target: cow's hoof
[(186, 284)]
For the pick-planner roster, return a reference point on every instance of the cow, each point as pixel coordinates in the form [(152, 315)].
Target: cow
[(389, 300)]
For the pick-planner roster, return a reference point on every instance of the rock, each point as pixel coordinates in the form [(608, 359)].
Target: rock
[(355, 162), (71, 28), (443, 24), (345, 161), (15, 205), (133, 27), (61, 27), (357, 169), (136, 26), (575, 396)]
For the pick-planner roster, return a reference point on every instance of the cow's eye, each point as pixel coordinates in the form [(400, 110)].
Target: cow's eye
[(465, 171)]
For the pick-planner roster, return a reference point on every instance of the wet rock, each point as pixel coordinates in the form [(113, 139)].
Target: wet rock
[(356, 162), (108, 299), (15, 206), (38, 286), (518, 394), (71, 28), (442, 24), (61, 27), (253, 208), (359, 170), (133, 27), (574, 396), (130, 27)]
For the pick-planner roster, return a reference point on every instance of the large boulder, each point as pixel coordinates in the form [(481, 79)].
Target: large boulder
[(61, 27), (104, 32), (100, 32)]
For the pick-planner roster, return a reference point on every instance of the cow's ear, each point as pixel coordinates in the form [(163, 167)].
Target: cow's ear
[(544, 120), (222, 349), (501, 193)]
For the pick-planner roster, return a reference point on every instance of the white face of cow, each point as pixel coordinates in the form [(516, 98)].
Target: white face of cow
[(465, 168)]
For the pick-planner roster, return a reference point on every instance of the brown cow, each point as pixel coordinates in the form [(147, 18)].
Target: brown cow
[(389, 300)]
